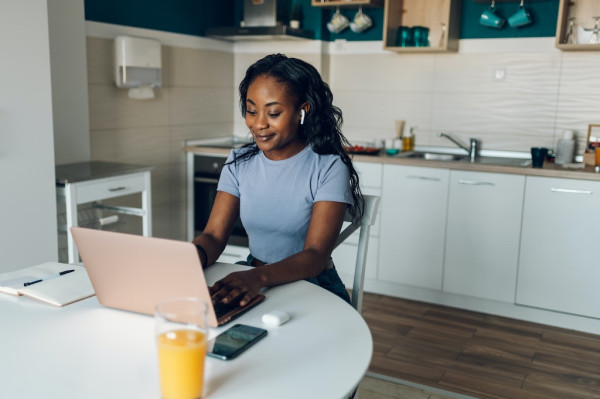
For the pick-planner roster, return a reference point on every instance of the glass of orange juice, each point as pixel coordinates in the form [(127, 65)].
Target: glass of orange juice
[(181, 330)]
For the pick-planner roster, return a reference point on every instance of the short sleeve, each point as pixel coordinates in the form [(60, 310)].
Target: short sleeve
[(229, 182), (334, 182)]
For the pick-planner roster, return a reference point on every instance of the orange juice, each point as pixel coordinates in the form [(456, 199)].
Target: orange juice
[(181, 356)]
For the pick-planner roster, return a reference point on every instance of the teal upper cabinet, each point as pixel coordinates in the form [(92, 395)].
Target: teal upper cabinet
[(190, 17)]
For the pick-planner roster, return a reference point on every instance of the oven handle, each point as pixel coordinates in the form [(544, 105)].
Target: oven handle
[(206, 180)]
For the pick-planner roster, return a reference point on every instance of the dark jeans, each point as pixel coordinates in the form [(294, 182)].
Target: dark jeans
[(328, 279)]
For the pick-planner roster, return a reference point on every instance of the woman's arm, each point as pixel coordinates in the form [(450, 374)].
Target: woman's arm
[(324, 227), (223, 216)]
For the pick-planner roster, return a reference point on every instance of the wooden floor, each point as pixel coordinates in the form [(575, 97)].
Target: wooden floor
[(376, 388), (480, 355)]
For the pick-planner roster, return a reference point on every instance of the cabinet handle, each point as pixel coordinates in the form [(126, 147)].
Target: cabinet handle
[(475, 182), (569, 191), (117, 188), (423, 178)]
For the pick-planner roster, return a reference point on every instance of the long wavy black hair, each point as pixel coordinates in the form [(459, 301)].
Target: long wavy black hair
[(323, 121)]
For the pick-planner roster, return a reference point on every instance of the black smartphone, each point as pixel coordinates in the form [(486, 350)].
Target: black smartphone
[(235, 340)]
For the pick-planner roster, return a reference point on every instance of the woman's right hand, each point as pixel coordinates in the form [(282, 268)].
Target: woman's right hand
[(243, 285)]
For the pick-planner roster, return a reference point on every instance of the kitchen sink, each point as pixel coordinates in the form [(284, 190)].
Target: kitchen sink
[(434, 156), (518, 162), (483, 160)]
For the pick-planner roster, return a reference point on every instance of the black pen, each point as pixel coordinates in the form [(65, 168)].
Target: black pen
[(48, 277)]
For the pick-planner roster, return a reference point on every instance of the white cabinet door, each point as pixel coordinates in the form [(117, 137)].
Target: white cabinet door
[(413, 221), (482, 234), (559, 264)]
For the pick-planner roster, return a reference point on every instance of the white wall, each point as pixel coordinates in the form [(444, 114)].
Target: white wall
[(66, 22), (27, 194)]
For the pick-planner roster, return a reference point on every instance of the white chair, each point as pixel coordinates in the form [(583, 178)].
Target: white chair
[(364, 224)]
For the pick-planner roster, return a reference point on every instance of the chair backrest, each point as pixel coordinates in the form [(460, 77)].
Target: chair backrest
[(364, 224)]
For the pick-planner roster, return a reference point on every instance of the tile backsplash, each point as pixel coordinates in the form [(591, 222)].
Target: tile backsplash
[(194, 102), (539, 96)]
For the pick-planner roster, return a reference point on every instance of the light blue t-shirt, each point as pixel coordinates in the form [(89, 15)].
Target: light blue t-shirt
[(276, 197)]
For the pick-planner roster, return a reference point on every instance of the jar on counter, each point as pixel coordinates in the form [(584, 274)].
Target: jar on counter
[(408, 140), (565, 149)]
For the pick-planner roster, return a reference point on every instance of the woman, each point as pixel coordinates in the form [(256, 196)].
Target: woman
[(291, 185)]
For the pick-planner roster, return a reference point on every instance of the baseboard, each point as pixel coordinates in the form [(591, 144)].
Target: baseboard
[(504, 309)]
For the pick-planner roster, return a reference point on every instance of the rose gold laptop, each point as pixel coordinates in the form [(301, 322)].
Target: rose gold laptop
[(134, 273)]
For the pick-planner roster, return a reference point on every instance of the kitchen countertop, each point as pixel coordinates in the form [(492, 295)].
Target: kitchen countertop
[(549, 169), (82, 171)]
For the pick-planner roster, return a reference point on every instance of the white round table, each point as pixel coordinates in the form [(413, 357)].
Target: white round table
[(85, 350)]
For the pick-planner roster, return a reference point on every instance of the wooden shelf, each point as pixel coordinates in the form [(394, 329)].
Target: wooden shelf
[(347, 3), (433, 14), (583, 12)]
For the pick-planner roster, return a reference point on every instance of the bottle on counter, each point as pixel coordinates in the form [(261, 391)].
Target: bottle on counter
[(565, 148), (408, 140)]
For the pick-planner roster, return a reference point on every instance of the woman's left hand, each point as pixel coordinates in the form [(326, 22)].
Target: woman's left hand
[(244, 285)]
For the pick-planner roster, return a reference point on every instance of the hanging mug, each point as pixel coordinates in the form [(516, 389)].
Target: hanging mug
[(521, 18), (338, 22), (361, 21), (490, 18)]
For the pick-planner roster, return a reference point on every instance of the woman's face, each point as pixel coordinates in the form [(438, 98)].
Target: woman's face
[(273, 118)]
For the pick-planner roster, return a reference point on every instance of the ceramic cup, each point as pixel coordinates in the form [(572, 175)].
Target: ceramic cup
[(338, 22), (491, 19), (361, 22), (404, 37), (538, 156), (521, 18), (420, 36)]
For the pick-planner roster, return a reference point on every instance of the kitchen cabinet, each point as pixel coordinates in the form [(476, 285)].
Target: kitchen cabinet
[(413, 221), (344, 256), (347, 3), (442, 17), (581, 13), (95, 181), (482, 234), (559, 265)]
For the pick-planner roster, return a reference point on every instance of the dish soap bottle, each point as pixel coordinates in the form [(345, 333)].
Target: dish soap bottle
[(565, 148), (408, 140)]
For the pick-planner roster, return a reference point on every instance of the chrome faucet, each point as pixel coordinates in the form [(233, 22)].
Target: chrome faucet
[(472, 150)]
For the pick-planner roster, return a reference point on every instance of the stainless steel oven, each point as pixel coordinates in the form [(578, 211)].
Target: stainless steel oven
[(206, 172)]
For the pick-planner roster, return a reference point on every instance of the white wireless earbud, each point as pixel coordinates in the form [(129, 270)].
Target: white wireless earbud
[(302, 114)]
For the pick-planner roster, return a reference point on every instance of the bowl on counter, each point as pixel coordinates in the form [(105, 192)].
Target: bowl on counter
[(362, 150)]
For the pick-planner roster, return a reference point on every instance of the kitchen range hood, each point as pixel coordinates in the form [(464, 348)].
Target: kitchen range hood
[(261, 21)]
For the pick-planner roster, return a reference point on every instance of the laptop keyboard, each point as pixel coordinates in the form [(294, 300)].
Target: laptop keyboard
[(224, 308)]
